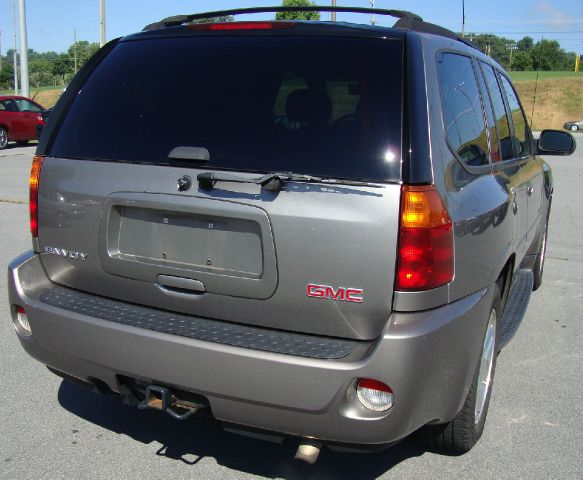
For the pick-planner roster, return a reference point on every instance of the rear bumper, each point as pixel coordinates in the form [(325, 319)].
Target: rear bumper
[(428, 358)]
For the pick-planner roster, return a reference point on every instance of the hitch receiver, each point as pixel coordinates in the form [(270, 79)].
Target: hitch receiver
[(160, 398)]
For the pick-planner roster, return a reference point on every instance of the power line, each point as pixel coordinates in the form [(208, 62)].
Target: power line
[(101, 23)]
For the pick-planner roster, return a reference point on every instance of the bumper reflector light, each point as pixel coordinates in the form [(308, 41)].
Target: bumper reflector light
[(375, 395), (23, 323)]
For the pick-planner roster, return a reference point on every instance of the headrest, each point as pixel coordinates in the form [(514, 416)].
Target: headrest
[(308, 107)]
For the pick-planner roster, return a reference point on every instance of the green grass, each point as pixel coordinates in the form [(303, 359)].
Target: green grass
[(526, 76), (33, 90)]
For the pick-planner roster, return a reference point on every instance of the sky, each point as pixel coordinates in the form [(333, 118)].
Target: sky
[(51, 23)]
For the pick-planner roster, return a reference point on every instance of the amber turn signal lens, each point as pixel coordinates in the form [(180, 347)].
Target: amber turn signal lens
[(425, 254), (37, 163)]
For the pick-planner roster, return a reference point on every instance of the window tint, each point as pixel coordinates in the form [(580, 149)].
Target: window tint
[(257, 103), (345, 95), (502, 125), (494, 146), (291, 81), (521, 130), (462, 109), (9, 106)]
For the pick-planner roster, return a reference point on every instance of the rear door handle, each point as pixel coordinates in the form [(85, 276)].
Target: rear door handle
[(529, 189), (180, 283)]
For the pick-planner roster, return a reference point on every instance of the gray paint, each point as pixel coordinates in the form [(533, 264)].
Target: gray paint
[(487, 233), (290, 394), (341, 236), (225, 245)]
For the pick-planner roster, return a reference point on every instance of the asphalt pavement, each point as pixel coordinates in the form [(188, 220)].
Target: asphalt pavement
[(51, 429)]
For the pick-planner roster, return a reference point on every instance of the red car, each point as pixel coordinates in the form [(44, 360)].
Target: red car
[(19, 119)]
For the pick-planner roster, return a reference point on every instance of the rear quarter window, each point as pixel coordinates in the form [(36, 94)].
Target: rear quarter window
[(502, 124), (521, 143), (462, 109)]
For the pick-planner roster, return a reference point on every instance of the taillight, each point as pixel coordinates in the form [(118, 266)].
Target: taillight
[(240, 26), (37, 163), (425, 252)]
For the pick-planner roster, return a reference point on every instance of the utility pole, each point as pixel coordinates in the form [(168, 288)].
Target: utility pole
[(102, 22), (463, 17), (75, 49), (24, 87), (333, 14), (0, 50), (372, 17), (14, 54), (511, 47)]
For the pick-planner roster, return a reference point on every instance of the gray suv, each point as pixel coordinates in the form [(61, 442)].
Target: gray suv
[(309, 230)]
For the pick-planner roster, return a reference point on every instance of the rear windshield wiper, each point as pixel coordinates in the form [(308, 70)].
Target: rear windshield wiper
[(273, 181)]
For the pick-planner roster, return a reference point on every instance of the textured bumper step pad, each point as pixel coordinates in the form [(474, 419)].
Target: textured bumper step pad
[(199, 328)]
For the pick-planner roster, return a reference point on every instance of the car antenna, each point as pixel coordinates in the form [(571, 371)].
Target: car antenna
[(540, 51)]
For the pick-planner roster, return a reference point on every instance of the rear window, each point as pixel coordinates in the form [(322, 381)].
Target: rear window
[(328, 106)]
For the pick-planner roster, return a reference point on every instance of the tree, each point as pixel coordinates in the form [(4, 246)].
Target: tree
[(62, 65), (223, 19), (84, 50), (547, 55), (298, 15), (40, 72), (522, 60), (525, 44), (496, 47), (6, 76)]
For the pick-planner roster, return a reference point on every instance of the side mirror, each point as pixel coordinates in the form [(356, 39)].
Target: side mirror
[(555, 142)]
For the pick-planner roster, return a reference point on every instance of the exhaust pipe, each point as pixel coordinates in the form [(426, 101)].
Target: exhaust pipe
[(308, 450)]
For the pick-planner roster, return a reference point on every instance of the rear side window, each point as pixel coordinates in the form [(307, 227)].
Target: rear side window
[(327, 106), (521, 141), (490, 121), (462, 109), (8, 106), (502, 124), (26, 106)]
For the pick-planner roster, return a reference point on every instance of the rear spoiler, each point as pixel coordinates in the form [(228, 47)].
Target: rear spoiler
[(181, 19)]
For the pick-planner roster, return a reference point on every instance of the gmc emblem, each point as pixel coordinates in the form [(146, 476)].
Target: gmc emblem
[(343, 294)]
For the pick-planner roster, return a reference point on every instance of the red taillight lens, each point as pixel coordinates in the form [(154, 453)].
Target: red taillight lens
[(37, 163), (240, 26), (425, 254)]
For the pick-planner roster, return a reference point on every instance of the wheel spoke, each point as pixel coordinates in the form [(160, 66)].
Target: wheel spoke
[(486, 362)]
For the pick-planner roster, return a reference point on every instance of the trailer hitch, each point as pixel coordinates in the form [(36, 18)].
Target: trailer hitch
[(160, 398)]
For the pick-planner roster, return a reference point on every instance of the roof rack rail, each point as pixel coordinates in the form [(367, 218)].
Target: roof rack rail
[(180, 19), (414, 25), (407, 20)]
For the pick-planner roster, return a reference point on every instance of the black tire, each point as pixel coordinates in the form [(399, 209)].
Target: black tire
[(462, 433), (3, 138), (539, 263)]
